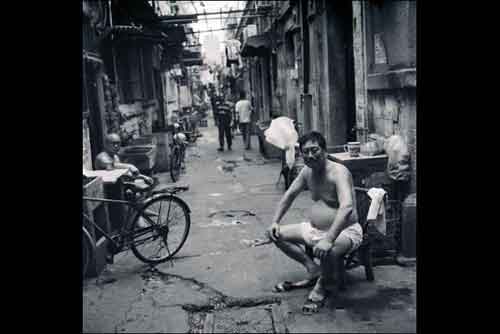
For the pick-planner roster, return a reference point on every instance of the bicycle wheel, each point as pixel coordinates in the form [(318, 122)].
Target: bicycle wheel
[(87, 251), (160, 229), (175, 164)]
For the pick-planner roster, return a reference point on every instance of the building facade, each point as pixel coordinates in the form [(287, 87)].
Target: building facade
[(346, 69), (134, 63)]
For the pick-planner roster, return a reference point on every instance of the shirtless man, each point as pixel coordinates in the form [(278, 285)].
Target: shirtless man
[(109, 160), (333, 229)]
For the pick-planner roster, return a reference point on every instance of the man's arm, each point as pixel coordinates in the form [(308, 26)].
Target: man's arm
[(103, 162), (346, 203), (295, 188), (121, 165)]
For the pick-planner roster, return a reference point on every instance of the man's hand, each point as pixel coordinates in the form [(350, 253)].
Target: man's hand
[(273, 232), (148, 180), (133, 170), (322, 248)]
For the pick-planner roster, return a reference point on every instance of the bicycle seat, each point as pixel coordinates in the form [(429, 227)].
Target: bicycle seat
[(170, 189), (138, 186)]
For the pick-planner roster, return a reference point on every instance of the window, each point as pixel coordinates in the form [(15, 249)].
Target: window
[(390, 36)]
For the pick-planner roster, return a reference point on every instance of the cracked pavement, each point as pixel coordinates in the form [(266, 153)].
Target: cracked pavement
[(232, 197)]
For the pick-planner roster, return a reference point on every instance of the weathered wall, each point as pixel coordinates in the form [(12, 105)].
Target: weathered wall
[(314, 70), (291, 77), (86, 152), (395, 112), (359, 51), (138, 119), (266, 88), (150, 108), (287, 63), (384, 42), (172, 99), (336, 69), (391, 80), (298, 42), (280, 91)]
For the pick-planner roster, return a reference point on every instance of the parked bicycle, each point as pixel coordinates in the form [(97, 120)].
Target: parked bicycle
[(155, 229), (177, 153), (187, 126)]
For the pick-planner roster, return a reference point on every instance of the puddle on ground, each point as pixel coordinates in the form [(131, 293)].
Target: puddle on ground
[(230, 213), (225, 218), (222, 223)]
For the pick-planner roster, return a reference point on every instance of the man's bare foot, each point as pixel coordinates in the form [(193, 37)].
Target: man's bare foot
[(316, 299)]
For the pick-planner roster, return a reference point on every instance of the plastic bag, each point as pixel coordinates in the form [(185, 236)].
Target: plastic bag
[(398, 164), (281, 133)]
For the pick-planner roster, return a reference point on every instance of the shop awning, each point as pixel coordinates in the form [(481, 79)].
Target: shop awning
[(257, 45)]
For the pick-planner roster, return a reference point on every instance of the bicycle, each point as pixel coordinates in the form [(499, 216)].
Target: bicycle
[(145, 225), (177, 155), (187, 125)]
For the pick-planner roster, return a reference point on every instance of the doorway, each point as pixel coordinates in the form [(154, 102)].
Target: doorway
[(341, 72), (158, 87), (93, 94)]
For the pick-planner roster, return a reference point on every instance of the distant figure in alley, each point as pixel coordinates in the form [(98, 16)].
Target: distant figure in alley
[(244, 110), (223, 117), (333, 229), (109, 160)]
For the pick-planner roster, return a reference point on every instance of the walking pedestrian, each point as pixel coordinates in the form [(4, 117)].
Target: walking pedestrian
[(223, 116), (244, 110)]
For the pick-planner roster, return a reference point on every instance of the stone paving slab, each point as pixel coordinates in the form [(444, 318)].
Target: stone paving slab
[(243, 320)]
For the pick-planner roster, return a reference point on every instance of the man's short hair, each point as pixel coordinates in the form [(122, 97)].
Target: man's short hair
[(242, 95), (314, 136)]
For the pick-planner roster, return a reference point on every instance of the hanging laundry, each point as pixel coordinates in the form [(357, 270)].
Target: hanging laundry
[(232, 52)]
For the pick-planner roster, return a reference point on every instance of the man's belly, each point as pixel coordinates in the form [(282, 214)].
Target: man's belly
[(322, 215)]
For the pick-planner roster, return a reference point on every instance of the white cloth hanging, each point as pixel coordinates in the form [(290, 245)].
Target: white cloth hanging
[(282, 134), (376, 212)]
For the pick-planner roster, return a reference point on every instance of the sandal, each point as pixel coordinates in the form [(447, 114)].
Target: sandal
[(311, 306), (288, 286)]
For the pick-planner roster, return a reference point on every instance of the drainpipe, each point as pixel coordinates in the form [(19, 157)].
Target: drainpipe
[(113, 54)]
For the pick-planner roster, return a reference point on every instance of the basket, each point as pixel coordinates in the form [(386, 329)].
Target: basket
[(388, 244)]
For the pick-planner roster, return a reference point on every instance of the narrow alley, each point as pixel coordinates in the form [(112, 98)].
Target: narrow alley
[(216, 283), (156, 75)]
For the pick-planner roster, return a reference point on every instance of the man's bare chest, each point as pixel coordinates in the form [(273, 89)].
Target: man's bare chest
[(324, 190)]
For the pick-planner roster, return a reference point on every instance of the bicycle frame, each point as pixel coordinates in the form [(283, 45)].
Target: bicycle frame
[(126, 231)]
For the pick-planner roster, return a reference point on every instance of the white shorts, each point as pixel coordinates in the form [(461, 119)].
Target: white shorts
[(313, 235)]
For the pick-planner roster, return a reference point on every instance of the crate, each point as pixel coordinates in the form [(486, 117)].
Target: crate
[(388, 244)]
